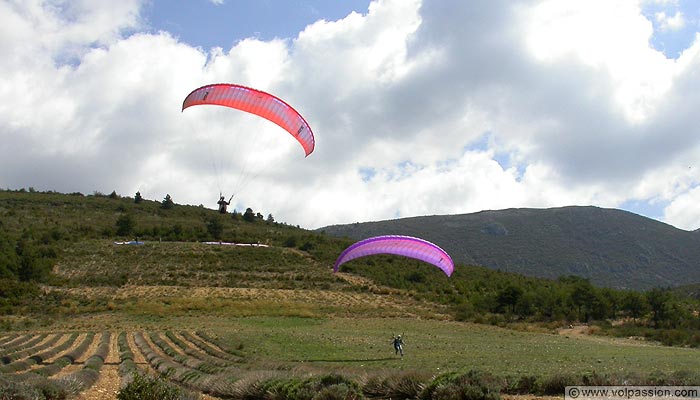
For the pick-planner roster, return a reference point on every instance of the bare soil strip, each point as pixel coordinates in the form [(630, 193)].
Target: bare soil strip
[(157, 349), (51, 360), (211, 344), (78, 364), (75, 344), (107, 385), (37, 348), (160, 353), (16, 341), (170, 343), (4, 338), (201, 354), (139, 358)]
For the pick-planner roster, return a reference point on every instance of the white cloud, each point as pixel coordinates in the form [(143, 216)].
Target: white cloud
[(617, 50), (683, 211), (670, 23), (418, 108)]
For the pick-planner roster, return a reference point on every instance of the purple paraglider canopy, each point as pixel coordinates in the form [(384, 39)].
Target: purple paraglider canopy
[(399, 245)]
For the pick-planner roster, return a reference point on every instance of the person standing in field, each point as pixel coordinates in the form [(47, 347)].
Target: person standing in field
[(398, 345)]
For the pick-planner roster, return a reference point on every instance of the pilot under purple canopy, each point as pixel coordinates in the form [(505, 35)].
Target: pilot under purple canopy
[(399, 245)]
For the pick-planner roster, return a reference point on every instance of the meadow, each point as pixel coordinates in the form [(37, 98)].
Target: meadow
[(279, 345), (438, 346)]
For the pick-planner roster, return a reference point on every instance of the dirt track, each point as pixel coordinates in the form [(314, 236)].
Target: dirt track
[(584, 332)]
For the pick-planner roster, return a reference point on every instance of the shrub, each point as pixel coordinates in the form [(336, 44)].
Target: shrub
[(525, 384), (405, 385), (324, 387), (340, 391), (556, 384), (473, 385), (34, 388), (680, 378), (81, 380), (82, 347), (18, 390), (125, 225), (147, 387), (249, 215), (53, 390), (597, 379), (215, 227), (249, 387)]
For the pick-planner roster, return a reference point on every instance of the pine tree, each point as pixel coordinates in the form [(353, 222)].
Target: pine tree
[(215, 228), (249, 215), (167, 203), (125, 224)]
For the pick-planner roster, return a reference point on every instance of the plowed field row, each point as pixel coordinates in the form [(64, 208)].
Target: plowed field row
[(97, 365)]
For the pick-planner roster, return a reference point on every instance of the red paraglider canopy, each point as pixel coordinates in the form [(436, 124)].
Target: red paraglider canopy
[(255, 102)]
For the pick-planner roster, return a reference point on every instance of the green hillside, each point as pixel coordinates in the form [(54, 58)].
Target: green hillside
[(62, 255), (612, 248), (269, 312)]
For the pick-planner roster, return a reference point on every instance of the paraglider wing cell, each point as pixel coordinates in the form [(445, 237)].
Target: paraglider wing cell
[(399, 245), (255, 102)]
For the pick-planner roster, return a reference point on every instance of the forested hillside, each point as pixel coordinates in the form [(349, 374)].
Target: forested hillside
[(611, 248)]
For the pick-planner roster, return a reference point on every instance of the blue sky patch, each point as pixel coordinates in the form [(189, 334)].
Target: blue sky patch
[(675, 25), (205, 24), (367, 173), (647, 208)]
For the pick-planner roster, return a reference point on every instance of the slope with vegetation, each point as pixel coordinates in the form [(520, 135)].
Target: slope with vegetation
[(59, 256), (278, 302), (611, 248)]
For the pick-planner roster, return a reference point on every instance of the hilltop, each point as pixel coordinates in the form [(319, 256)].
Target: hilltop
[(611, 248)]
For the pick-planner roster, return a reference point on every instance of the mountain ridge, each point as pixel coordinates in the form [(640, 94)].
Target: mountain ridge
[(611, 247)]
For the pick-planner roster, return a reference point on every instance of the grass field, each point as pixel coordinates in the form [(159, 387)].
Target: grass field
[(435, 346), (364, 344), (297, 332)]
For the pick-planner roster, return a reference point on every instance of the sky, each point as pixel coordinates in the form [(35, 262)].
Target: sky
[(418, 107)]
